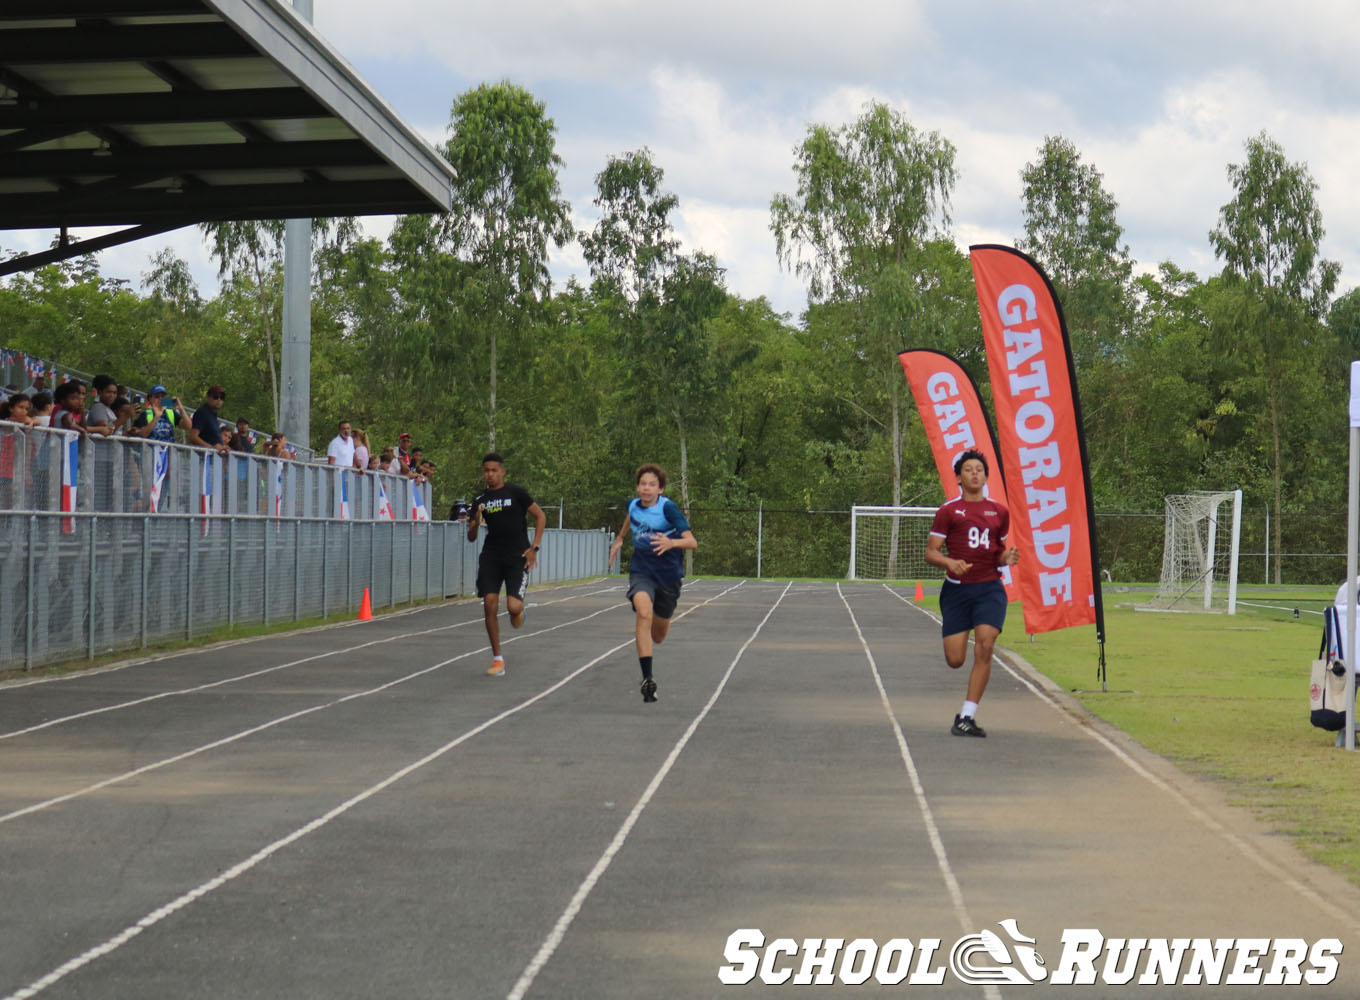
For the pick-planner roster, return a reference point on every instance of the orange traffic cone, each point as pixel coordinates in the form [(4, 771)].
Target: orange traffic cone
[(920, 592), (366, 608)]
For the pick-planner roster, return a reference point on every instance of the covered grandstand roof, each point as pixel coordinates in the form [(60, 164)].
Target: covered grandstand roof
[(156, 114)]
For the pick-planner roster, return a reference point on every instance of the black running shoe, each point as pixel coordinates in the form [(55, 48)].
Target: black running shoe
[(648, 689), (966, 727)]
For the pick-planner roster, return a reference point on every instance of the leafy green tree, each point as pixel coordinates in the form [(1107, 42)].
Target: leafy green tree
[(662, 299), (507, 209), (1269, 237), (249, 259), (870, 195)]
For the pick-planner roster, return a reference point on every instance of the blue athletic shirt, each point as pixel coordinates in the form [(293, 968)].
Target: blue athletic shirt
[(663, 517)]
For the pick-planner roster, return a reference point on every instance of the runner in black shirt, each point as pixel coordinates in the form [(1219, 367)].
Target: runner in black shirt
[(507, 557)]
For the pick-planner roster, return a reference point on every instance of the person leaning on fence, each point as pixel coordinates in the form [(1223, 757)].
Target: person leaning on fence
[(341, 449), (102, 418), (69, 412), (156, 420), (15, 410), (361, 450), (39, 409), (205, 430), (243, 438)]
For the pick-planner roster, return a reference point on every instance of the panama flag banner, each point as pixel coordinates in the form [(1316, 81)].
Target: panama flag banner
[(206, 493), (276, 483), (1043, 450), (384, 505), (70, 474), (344, 496), (954, 421), (418, 511), (160, 465)]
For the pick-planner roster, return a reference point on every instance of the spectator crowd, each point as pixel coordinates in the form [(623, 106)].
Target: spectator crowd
[(106, 409)]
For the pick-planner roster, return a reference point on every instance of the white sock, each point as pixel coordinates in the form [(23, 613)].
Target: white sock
[(969, 709), (501, 658)]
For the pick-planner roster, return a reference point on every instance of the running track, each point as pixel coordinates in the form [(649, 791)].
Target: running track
[(357, 811)]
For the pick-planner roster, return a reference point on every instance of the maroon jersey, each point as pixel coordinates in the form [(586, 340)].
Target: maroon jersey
[(973, 530)]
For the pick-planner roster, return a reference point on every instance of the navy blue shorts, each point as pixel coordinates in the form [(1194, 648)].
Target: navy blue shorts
[(964, 606)]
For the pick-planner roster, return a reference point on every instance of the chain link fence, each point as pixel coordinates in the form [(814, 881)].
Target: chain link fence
[(86, 585), (775, 542)]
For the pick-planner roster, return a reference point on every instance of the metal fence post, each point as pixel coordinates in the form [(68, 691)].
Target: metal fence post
[(297, 569), (231, 572), (392, 594), (94, 525), (32, 569), (146, 571), (760, 536), (189, 590), (267, 547), (325, 565)]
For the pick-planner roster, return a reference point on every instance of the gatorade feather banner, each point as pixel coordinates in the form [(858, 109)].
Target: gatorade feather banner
[(954, 421), (1043, 451)]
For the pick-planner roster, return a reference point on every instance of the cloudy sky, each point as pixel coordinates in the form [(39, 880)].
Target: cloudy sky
[(1159, 96)]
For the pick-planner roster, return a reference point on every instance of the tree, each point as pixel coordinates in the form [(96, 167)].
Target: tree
[(662, 299), (1269, 237), (1072, 231), (249, 258), (507, 208), (870, 196)]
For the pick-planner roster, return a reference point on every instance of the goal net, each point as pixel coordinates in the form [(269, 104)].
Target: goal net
[(889, 543), (1200, 551)]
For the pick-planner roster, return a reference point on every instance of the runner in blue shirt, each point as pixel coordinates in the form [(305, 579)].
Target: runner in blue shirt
[(660, 534)]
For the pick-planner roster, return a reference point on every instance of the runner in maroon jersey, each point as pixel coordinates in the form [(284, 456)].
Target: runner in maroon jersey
[(972, 529)]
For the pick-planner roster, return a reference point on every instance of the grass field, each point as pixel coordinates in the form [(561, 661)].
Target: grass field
[(1225, 698)]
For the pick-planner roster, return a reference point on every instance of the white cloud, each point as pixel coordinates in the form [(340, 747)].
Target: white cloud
[(1159, 96)]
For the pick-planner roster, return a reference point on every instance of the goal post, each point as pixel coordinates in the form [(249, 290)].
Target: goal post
[(1200, 552), (889, 543)]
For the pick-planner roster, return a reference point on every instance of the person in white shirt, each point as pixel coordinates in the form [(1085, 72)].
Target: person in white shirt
[(341, 449)]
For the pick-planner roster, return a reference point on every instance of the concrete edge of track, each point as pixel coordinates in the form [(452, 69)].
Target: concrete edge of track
[(1211, 796)]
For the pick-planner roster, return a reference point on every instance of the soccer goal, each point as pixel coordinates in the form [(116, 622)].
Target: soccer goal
[(889, 543), (1200, 552)]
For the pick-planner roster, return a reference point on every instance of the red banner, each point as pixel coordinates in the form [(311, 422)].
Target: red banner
[(1043, 452), (954, 421)]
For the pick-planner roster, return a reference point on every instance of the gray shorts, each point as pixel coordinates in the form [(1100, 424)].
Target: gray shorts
[(664, 599)]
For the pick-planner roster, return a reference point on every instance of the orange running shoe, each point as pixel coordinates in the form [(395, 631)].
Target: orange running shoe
[(497, 669)]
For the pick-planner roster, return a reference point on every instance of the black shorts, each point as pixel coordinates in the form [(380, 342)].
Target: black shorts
[(494, 572), (664, 599), (964, 606)]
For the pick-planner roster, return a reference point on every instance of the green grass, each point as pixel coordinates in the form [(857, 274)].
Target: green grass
[(1224, 698)]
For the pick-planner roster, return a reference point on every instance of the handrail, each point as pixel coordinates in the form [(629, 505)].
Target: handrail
[(123, 474)]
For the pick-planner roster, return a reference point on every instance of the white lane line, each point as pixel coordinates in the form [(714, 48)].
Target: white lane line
[(1188, 805), (292, 716), (240, 868), (559, 931), (216, 647), (927, 814), (260, 673)]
